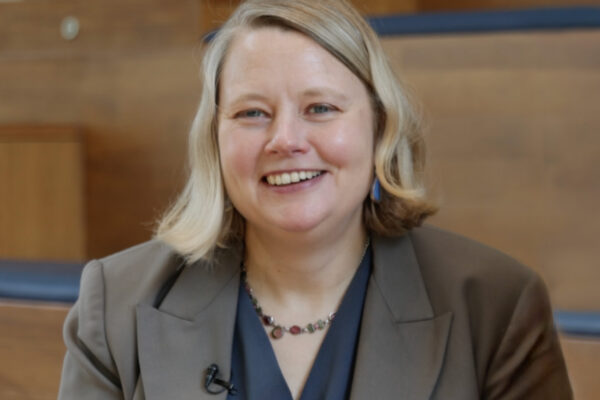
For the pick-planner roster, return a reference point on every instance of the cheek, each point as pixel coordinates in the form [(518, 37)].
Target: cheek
[(350, 144), (237, 157)]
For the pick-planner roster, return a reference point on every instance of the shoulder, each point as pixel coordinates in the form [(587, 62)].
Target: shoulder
[(484, 288), (100, 331), (146, 256), (131, 275), (500, 308), (119, 282), (477, 284), (461, 264), (438, 247)]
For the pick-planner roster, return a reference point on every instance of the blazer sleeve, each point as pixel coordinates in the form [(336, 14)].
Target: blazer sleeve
[(89, 371), (528, 363)]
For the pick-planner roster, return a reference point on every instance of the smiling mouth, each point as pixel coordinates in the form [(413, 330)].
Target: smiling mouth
[(288, 178)]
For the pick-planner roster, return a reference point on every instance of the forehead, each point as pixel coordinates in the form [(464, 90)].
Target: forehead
[(271, 57)]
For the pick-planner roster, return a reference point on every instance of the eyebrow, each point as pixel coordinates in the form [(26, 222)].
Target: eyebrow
[(308, 93), (327, 91), (248, 97)]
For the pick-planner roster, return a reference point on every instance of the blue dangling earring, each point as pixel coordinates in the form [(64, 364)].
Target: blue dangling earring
[(376, 191)]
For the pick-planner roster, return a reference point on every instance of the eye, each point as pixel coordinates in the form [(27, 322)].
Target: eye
[(320, 109), (250, 113)]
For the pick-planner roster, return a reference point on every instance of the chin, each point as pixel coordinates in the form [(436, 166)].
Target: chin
[(299, 226), (298, 222)]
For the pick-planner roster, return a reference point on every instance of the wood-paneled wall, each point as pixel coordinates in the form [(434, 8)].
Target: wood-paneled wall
[(582, 356), (31, 350), (42, 207), (512, 133), (129, 79)]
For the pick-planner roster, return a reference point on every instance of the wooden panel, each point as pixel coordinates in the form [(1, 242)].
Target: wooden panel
[(583, 361), (215, 12), (41, 198), (105, 27), (512, 132), (137, 153), (31, 350), (377, 7), (131, 84)]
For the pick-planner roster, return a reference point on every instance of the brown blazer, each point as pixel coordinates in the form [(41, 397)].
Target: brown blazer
[(444, 318)]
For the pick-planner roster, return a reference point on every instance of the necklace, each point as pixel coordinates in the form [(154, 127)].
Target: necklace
[(278, 330)]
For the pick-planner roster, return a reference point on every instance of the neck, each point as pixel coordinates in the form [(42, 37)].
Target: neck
[(303, 275)]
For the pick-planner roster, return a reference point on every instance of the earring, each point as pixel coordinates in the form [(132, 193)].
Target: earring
[(376, 191)]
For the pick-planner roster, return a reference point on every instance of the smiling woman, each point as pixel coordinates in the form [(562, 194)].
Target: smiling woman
[(337, 31), (292, 266), (287, 107)]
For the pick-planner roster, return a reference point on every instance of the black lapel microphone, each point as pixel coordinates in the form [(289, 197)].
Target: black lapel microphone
[(211, 379)]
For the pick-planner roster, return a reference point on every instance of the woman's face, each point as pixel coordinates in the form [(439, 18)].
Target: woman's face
[(295, 134)]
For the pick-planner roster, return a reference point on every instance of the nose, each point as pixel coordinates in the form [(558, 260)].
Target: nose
[(287, 135)]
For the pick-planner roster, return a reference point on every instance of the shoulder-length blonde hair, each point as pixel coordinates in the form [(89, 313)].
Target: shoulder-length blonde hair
[(203, 219)]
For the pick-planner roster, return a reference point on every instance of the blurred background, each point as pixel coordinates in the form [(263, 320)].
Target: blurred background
[(97, 97)]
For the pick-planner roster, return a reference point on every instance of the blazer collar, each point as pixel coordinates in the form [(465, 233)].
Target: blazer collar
[(402, 343), (401, 346), (192, 329)]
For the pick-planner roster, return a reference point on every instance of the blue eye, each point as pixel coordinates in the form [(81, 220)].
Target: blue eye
[(252, 113), (320, 109)]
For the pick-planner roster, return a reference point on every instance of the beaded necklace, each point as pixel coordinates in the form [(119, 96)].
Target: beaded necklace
[(278, 330)]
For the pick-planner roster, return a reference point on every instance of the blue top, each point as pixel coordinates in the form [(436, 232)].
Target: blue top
[(255, 372)]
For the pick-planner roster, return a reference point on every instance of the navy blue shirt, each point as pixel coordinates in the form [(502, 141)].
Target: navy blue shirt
[(255, 372)]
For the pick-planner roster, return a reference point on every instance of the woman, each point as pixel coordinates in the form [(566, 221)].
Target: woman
[(292, 265)]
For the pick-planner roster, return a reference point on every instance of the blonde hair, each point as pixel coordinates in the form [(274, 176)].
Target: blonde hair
[(203, 219)]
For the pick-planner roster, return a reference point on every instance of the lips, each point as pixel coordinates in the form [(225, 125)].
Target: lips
[(287, 178)]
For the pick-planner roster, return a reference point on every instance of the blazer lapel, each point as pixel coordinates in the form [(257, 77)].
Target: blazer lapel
[(192, 329), (402, 344)]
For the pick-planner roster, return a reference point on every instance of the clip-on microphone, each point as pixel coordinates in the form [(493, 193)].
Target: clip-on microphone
[(211, 377)]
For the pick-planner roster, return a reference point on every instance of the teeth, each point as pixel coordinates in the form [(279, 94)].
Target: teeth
[(294, 177)]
